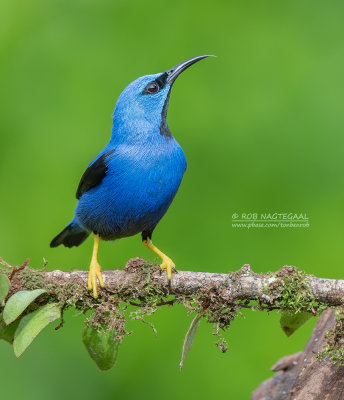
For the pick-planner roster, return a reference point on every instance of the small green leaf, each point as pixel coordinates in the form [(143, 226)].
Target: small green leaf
[(189, 338), (7, 331), (101, 346), (32, 324), (4, 287), (17, 303), (291, 322)]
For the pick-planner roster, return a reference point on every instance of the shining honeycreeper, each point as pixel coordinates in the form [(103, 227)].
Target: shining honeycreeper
[(129, 186)]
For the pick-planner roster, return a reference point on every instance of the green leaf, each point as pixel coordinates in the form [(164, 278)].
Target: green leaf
[(101, 346), (291, 322), (32, 324), (17, 303), (4, 287), (189, 338), (7, 331)]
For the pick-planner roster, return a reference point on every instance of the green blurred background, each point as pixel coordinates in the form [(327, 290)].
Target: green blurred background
[(262, 129)]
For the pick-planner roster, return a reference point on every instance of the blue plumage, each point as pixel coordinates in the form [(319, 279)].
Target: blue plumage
[(129, 186), (139, 185)]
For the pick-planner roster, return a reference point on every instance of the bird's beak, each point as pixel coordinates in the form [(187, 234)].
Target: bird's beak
[(173, 73)]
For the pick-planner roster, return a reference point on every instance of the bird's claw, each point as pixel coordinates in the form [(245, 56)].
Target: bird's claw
[(94, 274), (168, 266)]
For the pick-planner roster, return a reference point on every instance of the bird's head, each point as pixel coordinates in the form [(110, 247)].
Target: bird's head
[(141, 108)]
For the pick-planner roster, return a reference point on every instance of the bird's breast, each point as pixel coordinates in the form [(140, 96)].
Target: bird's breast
[(139, 186), (148, 172)]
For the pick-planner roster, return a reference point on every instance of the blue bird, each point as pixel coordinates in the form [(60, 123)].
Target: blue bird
[(129, 186)]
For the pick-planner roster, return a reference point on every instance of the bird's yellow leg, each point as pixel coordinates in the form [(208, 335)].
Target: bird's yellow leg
[(95, 269), (167, 264)]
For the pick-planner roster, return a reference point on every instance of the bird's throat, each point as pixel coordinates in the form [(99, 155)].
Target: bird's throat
[(164, 129)]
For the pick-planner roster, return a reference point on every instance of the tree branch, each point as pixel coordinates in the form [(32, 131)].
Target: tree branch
[(216, 297), (301, 375), (240, 285)]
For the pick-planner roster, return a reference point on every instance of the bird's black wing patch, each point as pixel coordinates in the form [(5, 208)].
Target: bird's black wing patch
[(94, 174)]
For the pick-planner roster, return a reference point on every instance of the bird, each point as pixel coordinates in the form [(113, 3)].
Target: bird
[(130, 184)]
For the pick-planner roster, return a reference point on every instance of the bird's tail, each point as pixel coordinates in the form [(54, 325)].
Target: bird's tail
[(72, 235)]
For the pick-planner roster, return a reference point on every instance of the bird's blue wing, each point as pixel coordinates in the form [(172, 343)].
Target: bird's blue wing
[(94, 174)]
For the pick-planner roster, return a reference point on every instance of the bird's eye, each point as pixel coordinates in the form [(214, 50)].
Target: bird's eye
[(152, 87)]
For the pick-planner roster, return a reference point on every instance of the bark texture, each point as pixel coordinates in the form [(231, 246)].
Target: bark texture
[(301, 377), (242, 285)]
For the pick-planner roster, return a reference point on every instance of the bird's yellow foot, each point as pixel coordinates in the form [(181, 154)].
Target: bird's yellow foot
[(168, 265), (94, 274)]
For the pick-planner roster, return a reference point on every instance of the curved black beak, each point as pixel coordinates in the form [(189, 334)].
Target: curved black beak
[(173, 73)]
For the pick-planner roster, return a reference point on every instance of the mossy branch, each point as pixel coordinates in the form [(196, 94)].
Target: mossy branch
[(141, 286), (289, 288), (303, 375)]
